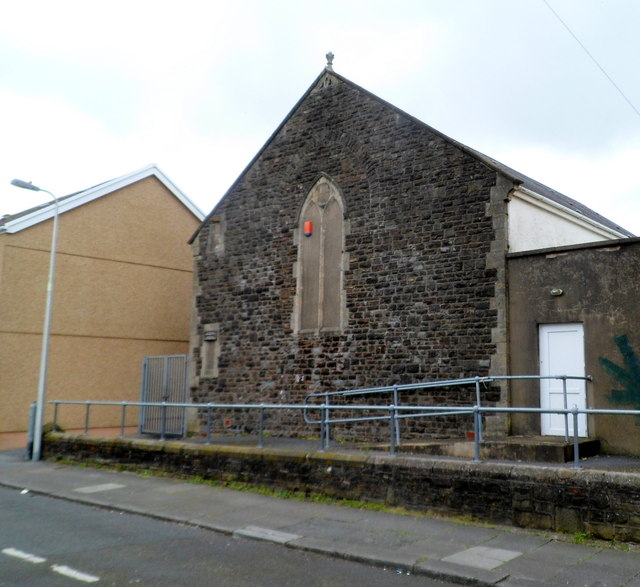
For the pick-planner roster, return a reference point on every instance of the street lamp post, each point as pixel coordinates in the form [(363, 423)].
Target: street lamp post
[(44, 356)]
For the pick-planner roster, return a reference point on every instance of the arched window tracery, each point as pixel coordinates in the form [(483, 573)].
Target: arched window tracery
[(320, 289)]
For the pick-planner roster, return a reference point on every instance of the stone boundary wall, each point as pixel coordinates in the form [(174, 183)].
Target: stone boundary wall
[(604, 504)]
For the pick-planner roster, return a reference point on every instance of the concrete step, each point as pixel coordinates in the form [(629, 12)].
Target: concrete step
[(536, 449)]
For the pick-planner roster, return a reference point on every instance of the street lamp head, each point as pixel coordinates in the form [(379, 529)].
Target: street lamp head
[(19, 183)]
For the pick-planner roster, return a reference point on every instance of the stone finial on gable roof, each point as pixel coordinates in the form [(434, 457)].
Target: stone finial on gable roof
[(329, 57)]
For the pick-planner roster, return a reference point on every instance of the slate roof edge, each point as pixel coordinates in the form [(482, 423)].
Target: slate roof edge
[(563, 249), (261, 150), (516, 177), (27, 218)]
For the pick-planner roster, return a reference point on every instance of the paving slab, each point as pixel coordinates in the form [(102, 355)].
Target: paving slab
[(99, 488), (266, 534), (516, 540), (616, 566), (547, 562), (460, 573), (482, 557), (427, 549)]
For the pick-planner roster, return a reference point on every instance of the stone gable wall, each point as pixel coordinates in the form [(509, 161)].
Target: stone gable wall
[(420, 291)]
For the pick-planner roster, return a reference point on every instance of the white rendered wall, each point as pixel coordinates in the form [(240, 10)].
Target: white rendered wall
[(536, 224)]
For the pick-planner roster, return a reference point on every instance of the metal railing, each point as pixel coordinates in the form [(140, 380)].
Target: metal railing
[(165, 406), (326, 396), (393, 412)]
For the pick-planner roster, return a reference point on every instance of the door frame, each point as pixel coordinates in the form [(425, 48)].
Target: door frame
[(551, 390)]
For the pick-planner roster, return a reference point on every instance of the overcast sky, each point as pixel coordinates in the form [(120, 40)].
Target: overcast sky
[(90, 91)]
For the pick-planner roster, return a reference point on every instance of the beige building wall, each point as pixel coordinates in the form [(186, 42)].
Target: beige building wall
[(122, 292)]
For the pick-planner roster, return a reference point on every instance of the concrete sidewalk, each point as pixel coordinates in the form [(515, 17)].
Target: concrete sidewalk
[(452, 551)]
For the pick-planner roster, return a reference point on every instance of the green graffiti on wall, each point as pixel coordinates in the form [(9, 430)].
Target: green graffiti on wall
[(628, 376)]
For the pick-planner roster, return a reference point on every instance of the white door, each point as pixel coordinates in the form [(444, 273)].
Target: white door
[(562, 353)]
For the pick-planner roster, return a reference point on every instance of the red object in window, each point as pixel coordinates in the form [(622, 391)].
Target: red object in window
[(308, 228)]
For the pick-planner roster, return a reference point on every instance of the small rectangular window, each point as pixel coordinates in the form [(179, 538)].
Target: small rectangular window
[(210, 351), (215, 240)]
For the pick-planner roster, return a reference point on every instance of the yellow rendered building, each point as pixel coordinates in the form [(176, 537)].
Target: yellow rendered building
[(123, 289)]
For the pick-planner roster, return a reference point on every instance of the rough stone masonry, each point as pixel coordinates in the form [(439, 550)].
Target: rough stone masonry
[(422, 267)]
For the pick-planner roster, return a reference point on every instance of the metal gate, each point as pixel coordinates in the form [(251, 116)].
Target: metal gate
[(164, 379)]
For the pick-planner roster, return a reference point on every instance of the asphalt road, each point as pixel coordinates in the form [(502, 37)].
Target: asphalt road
[(45, 541)]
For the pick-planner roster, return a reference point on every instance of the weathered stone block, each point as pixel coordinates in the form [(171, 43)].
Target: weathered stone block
[(568, 520)]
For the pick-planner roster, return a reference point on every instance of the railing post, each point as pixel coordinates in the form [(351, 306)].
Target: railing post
[(55, 414), (566, 407), (86, 418), (576, 442), (395, 403), (392, 424), (32, 428), (327, 428), (476, 434), (323, 424), (123, 419), (261, 427), (209, 423), (327, 425), (163, 421), (478, 422)]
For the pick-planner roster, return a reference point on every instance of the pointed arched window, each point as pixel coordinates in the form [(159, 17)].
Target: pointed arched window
[(320, 294)]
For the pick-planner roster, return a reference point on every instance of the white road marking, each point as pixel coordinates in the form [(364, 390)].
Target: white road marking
[(73, 574), (25, 556), (98, 488), (60, 569)]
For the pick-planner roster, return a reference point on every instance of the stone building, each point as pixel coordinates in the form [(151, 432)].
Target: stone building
[(359, 248)]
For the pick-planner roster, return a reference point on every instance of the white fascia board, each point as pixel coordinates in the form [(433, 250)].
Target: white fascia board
[(540, 201), (199, 214), (81, 198)]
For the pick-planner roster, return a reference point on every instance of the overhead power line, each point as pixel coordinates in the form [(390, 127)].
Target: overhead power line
[(564, 24)]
